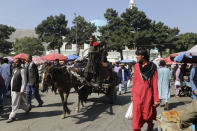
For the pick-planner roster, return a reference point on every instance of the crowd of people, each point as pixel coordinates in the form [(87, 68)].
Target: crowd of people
[(19, 81), (150, 84)]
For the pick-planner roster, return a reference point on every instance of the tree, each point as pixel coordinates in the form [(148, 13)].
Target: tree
[(5, 32), (134, 29), (113, 33), (137, 27), (163, 36), (80, 32), (28, 45), (52, 30), (186, 41)]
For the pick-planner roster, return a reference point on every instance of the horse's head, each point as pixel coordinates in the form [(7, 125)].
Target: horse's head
[(46, 80)]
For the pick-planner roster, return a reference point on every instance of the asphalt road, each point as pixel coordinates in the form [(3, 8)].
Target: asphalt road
[(98, 114)]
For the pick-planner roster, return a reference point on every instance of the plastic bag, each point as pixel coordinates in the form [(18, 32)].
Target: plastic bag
[(129, 83), (129, 113), (177, 83)]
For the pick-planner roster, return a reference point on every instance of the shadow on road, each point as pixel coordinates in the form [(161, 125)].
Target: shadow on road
[(57, 104), (123, 99), (100, 105), (176, 104), (33, 115)]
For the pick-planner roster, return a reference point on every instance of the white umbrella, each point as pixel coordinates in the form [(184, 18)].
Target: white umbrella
[(192, 51)]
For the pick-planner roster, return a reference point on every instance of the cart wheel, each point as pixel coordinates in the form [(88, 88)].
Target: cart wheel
[(112, 95)]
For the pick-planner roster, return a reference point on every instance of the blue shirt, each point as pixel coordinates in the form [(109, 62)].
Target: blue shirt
[(192, 74)]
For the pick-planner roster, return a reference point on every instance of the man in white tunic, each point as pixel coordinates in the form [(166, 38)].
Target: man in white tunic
[(164, 78), (18, 84)]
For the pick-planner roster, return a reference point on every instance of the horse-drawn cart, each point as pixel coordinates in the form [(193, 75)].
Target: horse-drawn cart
[(107, 88)]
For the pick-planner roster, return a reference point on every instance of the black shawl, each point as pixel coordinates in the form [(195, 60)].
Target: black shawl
[(148, 70)]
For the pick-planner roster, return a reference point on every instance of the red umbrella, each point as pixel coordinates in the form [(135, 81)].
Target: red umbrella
[(22, 56), (169, 61), (172, 56), (54, 56), (38, 60)]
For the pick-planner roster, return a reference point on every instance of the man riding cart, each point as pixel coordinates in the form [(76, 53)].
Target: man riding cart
[(97, 68)]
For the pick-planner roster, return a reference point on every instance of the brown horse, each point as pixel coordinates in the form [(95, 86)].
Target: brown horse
[(61, 79), (64, 80)]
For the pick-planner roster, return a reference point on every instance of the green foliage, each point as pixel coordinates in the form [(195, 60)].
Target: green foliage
[(28, 45), (186, 41), (5, 32), (83, 29), (112, 33), (52, 30), (129, 28), (132, 28), (163, 36)]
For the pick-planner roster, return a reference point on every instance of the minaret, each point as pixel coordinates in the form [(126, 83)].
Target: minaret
[(132, 4)]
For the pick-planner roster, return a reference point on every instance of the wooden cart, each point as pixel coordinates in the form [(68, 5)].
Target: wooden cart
[(109, 89)]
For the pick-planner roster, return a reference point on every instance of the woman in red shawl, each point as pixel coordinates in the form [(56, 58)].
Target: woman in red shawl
[(144, 93)]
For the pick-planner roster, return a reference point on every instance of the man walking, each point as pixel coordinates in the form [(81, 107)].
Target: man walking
[(193, 81), (2, 92), (123, 75), (32, 82), (5, 73), (18, 84), (144, 93), (57, 63), (164, 78)]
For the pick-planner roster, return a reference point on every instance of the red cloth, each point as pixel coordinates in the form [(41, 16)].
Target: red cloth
[(144, 95), (94, 44)]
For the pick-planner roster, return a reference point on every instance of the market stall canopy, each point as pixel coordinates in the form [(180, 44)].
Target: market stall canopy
[(192, 51), (54, 56), (22, 56), (169, 61), (182, 58), (172, 56), (72, 57), (38, 60)]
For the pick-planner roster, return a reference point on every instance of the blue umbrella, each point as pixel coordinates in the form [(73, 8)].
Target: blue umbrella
[(182, 58), (126, 61), (72, 57)]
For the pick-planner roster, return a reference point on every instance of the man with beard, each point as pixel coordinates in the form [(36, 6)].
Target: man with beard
[(32, 82), (144, 93), (18, 84)]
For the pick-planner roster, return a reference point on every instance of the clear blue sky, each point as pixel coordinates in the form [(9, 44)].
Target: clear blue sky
[(27, 14)]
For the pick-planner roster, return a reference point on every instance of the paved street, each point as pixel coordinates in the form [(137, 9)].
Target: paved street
[(98, 115)]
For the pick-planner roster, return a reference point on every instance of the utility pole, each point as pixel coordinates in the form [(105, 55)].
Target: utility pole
[(76, 27), (76, 34)]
